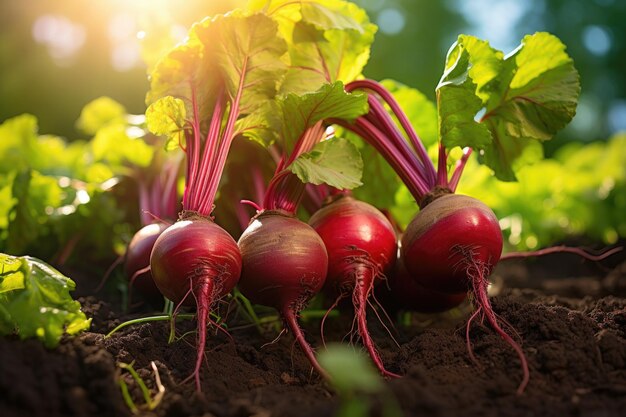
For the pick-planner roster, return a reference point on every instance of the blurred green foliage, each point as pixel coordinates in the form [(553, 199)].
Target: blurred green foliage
[(57, 196), (360, 389), (579, 192)]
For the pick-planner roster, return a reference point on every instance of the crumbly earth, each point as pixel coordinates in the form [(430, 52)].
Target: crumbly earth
[(570, 315)]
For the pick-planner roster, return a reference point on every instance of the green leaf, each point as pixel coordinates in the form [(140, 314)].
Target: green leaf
[(34, 195), (301, 112), (166, 117), (47, 154), (458, 105), (485, 66), (334, 55), (335, 162), (6, 203), (18, 143), (527, 96), (180, 73), (44, 191), (570, 195), (323, 14), (113, 144), (35, 301), (261, 126), (541, 96), (249, 53), (506, 156), (235, 55), (328, 41), (100, 112)]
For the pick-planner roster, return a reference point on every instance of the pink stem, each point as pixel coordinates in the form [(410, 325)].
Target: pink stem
[(402, 118), (227, 138), (271, 192), (458, 169), (193, 156), (170, 199), (210, 146), (285, 189), (251, 204), (376, 138), (396, 138), (442, 167)]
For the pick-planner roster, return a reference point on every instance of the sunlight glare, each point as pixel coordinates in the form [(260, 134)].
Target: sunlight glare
[(141, 6), (61, 36)]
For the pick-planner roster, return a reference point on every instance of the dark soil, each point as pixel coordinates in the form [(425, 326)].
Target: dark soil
[(571, 316)]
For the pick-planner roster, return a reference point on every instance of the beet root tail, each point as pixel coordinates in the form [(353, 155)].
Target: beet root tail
[(481, 300), (362, 290), (290, 318), (204, 298)]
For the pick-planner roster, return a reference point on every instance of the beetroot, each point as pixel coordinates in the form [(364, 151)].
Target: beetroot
[(451, 246), (196, 257), (137, 260), (446, 237), (284, 266), (361, 245)]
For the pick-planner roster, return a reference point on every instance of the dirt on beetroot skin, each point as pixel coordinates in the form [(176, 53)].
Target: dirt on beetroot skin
[(572, 323)]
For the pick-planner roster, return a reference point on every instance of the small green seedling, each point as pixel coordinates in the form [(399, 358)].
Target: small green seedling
[(356, 382), (150, 402)]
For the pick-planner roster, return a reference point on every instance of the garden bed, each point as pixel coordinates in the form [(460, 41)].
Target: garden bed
[(570, 314)]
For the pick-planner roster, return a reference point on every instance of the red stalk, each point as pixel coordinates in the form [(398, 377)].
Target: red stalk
[(458, 169), (442, 167), (193, 155), (227, 138), (380, 114), (210, 146), (404, 121)]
